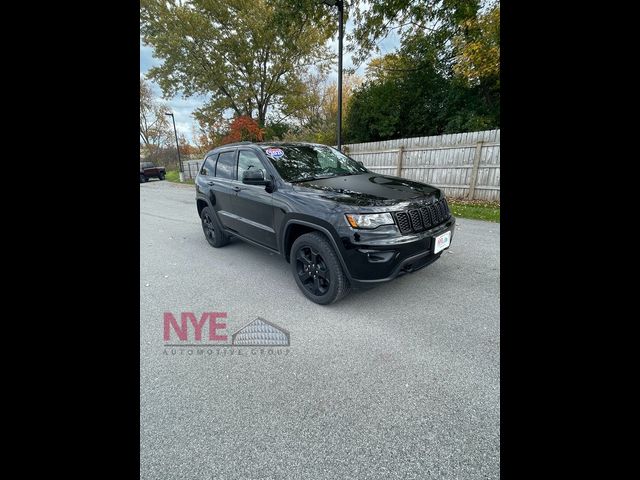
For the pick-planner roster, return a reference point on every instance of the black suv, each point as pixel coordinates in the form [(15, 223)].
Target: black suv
[(337, 224)]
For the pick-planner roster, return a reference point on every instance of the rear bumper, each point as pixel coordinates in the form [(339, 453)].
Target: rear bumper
[(368, 265)]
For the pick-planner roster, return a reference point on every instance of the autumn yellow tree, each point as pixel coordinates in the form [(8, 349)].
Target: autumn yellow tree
[(315, 116), (479, 50)]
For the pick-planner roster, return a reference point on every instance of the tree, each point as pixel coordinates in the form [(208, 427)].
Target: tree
[(440, 20), (315, 113), (374, 113), (276, 131), (412, 93), (244, 129), (444, 77), (210, 132), (479, 49), (388, 67), (243, 54), (461, 36), (155, 131), (186, 148)]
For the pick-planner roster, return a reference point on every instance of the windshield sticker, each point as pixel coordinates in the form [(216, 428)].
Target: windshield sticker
[(275, 152)]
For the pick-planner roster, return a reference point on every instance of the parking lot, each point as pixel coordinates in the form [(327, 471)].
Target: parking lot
[(399, 381)]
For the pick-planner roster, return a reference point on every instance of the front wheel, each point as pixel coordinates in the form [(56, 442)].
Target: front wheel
[(161, 176), (143, 178), (317, 269)]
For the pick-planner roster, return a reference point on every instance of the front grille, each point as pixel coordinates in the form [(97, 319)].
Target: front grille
[(423, 218), (402, 219), (416, 221)]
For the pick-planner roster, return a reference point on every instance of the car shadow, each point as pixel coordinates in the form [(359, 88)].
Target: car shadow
[(423, 283)]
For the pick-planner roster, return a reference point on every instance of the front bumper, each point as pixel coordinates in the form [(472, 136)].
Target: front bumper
[(383, 260)]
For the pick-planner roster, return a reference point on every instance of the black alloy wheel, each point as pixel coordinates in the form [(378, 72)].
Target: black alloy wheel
[(317, 269), (214, 235), (312, 271)]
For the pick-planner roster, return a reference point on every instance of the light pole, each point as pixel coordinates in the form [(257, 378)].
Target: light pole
[(340, 5), (177, 145)]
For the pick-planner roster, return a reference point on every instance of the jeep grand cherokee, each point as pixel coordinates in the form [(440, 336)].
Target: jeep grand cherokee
[(337, 223)]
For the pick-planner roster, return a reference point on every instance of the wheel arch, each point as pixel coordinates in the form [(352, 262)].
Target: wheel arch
[(201, 203), (296, 227)]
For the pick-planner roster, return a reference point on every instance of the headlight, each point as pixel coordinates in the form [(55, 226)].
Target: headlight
[(373, 220)]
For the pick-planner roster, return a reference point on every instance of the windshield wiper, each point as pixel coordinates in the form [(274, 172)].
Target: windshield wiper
[(343, 174), (321, 176), (313, 177), (304, 179), (328, 175)]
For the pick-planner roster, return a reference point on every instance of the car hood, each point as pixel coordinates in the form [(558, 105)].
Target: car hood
[(368, 189)]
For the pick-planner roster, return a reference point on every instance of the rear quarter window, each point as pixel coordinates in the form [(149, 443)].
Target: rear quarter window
[(209, 165)]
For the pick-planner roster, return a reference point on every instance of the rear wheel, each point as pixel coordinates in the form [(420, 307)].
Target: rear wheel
[(161, 176), (212, 231), (317, 269), (142, 178)]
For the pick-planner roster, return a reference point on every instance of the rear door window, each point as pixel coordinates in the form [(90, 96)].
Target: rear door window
[(226, 166)]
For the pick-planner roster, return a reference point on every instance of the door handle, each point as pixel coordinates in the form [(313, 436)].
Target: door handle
[(236, 189), (210, 183)]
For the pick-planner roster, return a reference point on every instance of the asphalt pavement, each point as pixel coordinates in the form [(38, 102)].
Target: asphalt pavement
[(399, 381)]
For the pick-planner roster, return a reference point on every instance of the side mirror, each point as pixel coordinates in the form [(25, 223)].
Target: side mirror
[(254, 177), (361, 163)]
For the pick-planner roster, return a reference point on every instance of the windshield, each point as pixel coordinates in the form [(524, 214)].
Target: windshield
[(298, 163)]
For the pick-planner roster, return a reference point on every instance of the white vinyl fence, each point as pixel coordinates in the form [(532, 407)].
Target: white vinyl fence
[(464, 165)]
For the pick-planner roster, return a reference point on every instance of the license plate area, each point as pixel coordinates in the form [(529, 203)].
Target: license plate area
[(441, 242)]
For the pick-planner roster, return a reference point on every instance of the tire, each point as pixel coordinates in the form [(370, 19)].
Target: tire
[(212, 231), (161, 176), (142, 178), (317, 269)]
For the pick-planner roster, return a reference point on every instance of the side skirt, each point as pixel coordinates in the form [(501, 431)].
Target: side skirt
[(245, 239)]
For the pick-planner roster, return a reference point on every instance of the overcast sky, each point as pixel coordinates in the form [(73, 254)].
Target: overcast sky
[(182, 108)]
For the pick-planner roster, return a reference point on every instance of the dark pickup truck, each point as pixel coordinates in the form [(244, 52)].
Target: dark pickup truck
[(337, 223), (149, 170)]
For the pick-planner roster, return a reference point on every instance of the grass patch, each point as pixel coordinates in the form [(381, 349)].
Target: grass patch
[(476, 209), (174, 176)]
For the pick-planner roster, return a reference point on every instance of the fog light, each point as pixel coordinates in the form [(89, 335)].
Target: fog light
[(378, 256)]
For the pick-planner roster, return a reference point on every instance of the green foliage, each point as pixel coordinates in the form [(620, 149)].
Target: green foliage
[(315, 116), (479, 48), (419, 102), (374, 113), (441, 20), (243, 54), (267, 60), (444, 78), (276, 131)]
